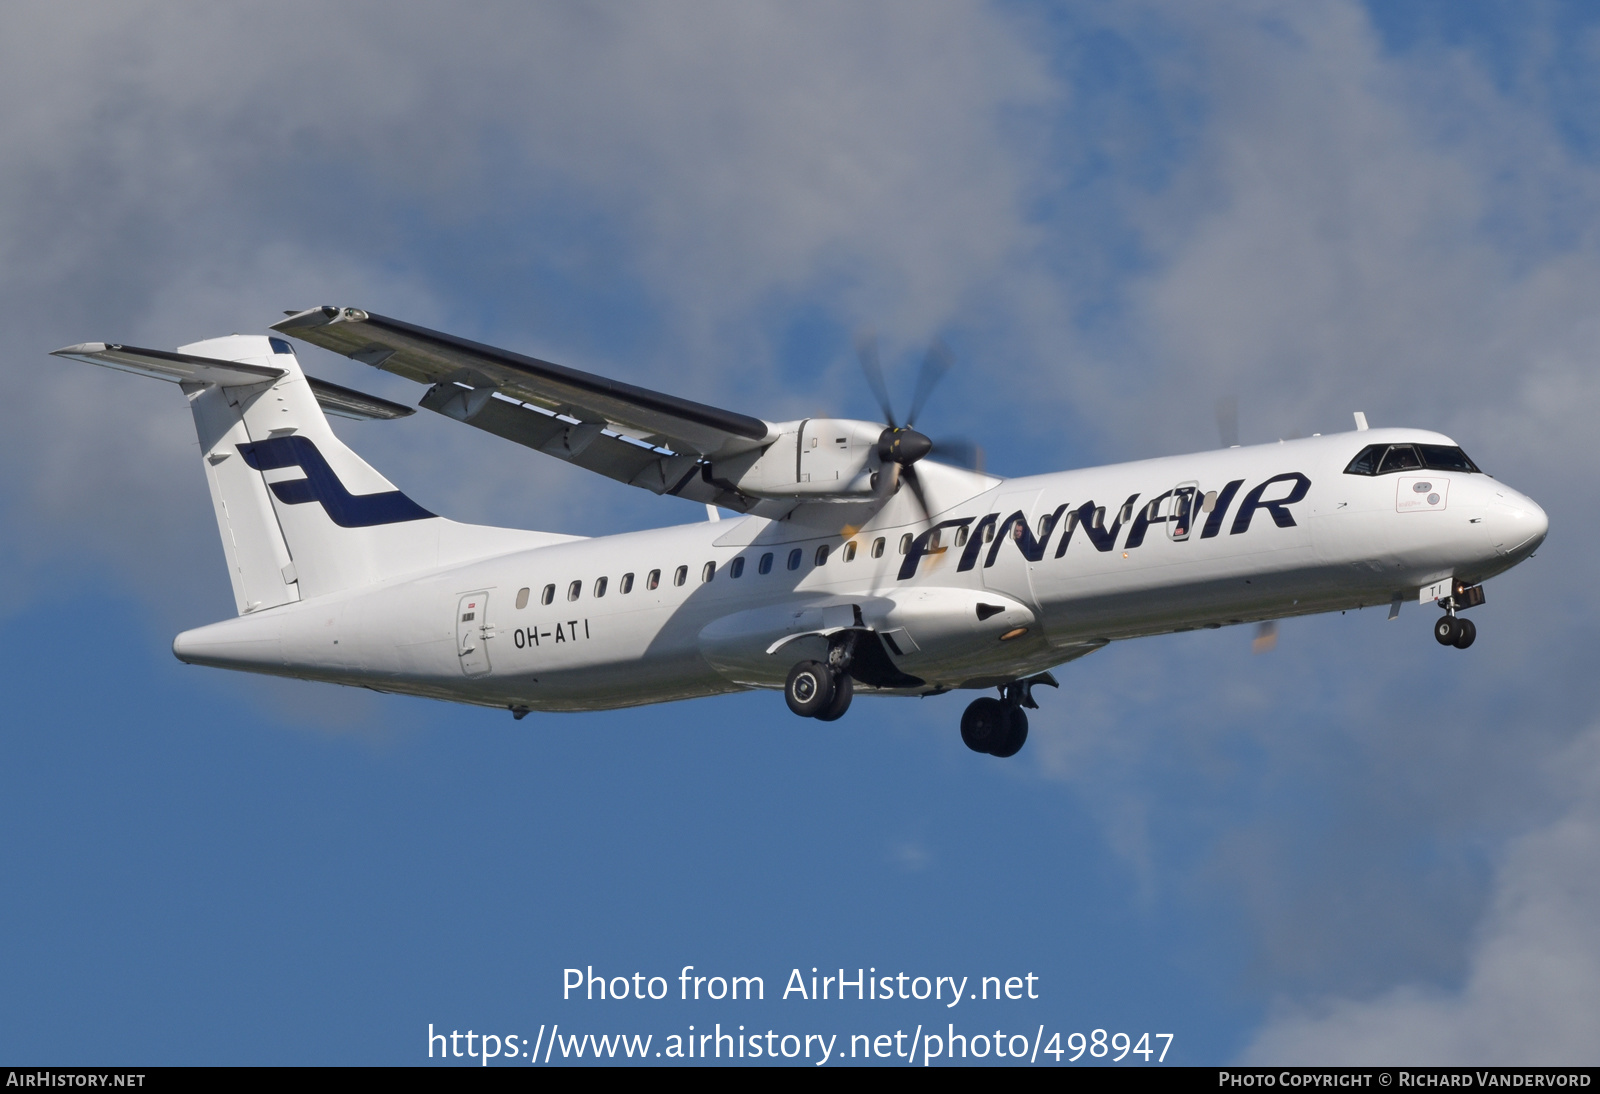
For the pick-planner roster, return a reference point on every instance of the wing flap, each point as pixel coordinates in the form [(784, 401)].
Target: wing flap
[(356, 405), (585, 444)]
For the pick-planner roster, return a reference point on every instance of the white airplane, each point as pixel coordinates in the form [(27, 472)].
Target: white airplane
[(858, 564)]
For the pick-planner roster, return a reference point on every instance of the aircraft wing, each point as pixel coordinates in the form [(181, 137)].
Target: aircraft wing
[(642, 437)]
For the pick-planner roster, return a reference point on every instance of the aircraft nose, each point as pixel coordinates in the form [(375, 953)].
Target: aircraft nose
[(1517, 525)]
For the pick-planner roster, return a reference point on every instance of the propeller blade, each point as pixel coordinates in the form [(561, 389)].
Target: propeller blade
[(934, 366), (959, 451), (888, 481), (1266, 637), (1228, 421), (867, 353), (910, 475)]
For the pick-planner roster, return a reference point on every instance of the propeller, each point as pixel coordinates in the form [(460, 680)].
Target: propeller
[(901, 446), (1228, 421)]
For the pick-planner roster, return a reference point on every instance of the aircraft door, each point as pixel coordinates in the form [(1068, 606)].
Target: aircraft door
[(1012, 572), (1181, 510), (472, 634)]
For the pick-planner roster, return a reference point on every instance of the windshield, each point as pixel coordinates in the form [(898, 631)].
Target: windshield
[(1382, 459)]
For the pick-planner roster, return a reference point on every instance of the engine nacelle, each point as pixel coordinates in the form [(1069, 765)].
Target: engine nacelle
[(814, 458)]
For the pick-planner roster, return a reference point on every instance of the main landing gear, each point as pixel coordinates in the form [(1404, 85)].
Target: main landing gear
[(1451, 630), (999, 726), (818, 690)]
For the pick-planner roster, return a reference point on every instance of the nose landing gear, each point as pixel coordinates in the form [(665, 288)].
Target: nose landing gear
[(1451, 630), (998, 726)]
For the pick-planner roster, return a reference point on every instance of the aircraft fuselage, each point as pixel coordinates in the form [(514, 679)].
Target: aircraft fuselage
[(1034, 572)]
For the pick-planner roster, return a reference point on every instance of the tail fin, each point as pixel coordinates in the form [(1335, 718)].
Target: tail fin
[(301, 515)]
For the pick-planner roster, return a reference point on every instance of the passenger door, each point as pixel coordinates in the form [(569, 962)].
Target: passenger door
[(1181, 510), (472, 634), (1012, 573)]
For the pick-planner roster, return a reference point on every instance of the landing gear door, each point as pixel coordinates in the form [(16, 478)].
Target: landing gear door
[(472, 634), (1181, 510)]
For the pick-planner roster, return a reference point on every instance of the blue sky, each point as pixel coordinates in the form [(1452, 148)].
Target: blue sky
[(1356, 848)]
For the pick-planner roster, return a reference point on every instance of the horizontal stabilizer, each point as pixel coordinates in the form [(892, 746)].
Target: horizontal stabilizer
[(166, 365), (186, 368)]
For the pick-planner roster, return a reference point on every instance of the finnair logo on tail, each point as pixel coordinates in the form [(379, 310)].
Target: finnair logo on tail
[(345, 509)]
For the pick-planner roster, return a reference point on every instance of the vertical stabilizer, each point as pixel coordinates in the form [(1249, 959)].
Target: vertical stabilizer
[(301, 514), (259, 564)]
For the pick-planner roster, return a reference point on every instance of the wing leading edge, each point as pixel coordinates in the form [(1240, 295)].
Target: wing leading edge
[(632, 434)]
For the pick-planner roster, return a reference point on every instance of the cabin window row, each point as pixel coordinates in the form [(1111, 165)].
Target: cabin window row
[(574, 589), (680, 576)]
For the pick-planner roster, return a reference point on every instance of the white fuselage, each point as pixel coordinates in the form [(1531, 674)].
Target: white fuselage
[(983, 605)]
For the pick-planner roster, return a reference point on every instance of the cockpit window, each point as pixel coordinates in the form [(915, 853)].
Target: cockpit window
[(1382, 459), (1400, 457), (1444, 457), (1366, 461)]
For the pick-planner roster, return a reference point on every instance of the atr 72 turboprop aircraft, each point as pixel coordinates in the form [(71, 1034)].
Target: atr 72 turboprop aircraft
[(858, 562)]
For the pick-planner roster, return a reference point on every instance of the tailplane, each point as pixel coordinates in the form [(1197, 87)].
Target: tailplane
[(300, 514)]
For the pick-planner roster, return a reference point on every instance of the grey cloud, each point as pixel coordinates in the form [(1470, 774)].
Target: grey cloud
[(1355, 230), (174, 174), (1532, 989)]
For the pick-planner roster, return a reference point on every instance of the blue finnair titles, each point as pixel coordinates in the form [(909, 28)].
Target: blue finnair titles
[(1090, 519), (345, 509)]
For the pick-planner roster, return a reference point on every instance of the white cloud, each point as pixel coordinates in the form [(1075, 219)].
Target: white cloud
[(1532, 990), (174, 174)]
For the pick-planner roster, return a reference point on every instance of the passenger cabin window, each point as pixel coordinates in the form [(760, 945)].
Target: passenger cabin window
[(850, 551), (522, 599), (988, 532), (877, 547), (794, 558), (599, 587), (822, 555), (575, 590), (961, 536), (654, 580), (765, 565), (548, 596), (905, 543), (625, 586), (736, 567), (1382, 459), (681, 575), (707, 572)]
